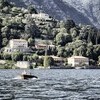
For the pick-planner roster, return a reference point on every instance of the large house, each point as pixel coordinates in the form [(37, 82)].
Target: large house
[(78, 60), (14, 43), (17, 45)]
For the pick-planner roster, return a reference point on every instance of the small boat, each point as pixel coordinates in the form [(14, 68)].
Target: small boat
[(24, 75)]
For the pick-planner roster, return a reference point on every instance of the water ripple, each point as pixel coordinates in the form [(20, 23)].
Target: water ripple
[(51, 85)]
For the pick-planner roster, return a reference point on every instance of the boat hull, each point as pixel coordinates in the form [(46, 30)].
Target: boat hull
[(25, 76)]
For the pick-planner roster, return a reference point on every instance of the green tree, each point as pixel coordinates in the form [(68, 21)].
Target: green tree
[(4, 41), (74, 32), (92, 62), (5, 32), (17, 56), (32, 10), (62, 24), (31, 42), (60, 52), (0, 40), (48, 61), (6, 56), (69, 24), (68, 51), (4, 3), (6, 10), (81, 51), (63, 38), (31, 29), (35, 57), (89, 52), (24, 57), (63, 30), (89, 33), (99, 60)]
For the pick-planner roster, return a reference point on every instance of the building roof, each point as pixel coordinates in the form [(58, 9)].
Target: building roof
[(41, 45), (55, 57), (42, 16), (81, 57), (23, 62), (18, 40)]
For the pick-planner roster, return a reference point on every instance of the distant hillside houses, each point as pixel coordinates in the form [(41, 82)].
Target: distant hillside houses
[(42, 16), (43, 44), (46, 42), (17, 45)]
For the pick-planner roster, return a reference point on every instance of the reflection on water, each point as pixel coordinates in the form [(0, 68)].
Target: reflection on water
[(51, 85)]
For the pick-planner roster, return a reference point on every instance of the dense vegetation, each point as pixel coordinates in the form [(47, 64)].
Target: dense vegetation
[(69, 39)]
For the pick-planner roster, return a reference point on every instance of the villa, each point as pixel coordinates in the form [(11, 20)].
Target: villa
[(14, 43), (78, 60), (17, 45)]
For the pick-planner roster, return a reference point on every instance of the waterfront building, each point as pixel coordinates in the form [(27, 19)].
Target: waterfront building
[(2, 61), (78, 60), (23, 64)]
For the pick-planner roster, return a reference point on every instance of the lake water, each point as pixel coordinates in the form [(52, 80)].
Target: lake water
[(52, 85)]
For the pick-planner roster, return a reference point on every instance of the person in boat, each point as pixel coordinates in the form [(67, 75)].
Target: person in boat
[(24, 73)]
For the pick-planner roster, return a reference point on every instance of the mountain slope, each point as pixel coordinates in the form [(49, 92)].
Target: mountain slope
[(81, 11), (89, 8)]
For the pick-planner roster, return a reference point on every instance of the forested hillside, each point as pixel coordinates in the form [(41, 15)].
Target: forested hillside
[(68, 37), (81, 11)]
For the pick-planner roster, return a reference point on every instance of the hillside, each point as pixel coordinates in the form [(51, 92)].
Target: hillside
[(81, 11), (66, 38)]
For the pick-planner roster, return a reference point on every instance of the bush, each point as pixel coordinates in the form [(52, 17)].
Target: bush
[(48, 61)]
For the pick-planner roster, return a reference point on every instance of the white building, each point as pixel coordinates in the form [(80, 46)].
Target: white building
[(23, 64), (2, 61), (41, 16), (14, 43), (19, 49), (17, 45), (78, 60)]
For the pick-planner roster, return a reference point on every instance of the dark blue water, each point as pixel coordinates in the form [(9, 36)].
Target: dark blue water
[(51, 85)]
